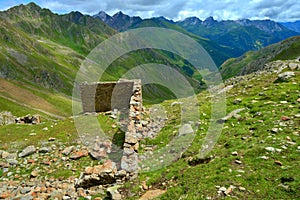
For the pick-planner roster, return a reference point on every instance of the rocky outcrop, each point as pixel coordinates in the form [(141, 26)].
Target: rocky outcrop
[(6, 118), (98, 175), (28, 119)]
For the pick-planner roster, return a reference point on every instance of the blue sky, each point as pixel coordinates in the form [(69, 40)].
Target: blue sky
[(278, 10)]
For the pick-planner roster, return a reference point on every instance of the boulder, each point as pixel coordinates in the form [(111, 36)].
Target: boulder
[(6, 118), (27, 151), (285, 76)]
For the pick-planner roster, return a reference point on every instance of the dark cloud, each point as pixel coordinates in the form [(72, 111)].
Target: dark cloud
[(279, 10)]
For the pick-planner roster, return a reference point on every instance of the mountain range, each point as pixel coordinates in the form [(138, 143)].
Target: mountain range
[(41, 51), (248, 34), (294, 26)]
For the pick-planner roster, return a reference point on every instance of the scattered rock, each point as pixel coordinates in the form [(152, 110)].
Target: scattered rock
[(114, 193), (238, 162), (277, 162), (264, 157), (271, 149), (27, 151), (6, 118), (275, 130), (68, 150), (79, 154), (5, 154), (285, 76), (185, 129), (44, 150), (51, 139), (152, 194), (175, 103), (229, 190), (34, 174), (294, 66), (237, 101), (284, 118), (98, 175), (144, 185), (28, 119), (230, 115)]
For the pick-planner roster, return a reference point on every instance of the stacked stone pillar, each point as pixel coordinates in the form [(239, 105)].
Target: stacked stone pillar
[(129, 161)]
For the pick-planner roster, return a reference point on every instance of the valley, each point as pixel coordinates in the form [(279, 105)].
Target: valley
[(256, 156)]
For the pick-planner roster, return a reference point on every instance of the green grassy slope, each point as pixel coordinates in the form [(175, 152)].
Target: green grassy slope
[(239, 160), (218, 52), (45, 50), (255, 60)]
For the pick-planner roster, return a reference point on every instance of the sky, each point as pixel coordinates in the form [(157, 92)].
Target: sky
[(277, 10)]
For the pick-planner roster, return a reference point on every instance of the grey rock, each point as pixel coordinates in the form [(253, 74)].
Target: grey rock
[(185, 129), (275, 130), (271, 149), (45, 150), (27, 197), (114, 193), (285, 76), (130, 163), (27, 151), (5, 154), (68, 150), (294, 66), (6, 118), (9, 174), (237, 101), (25, 190), (230, 115), (175, 103), (12, 161)]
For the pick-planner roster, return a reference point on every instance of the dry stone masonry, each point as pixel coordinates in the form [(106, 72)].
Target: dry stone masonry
[(123, 99), (106, 96)]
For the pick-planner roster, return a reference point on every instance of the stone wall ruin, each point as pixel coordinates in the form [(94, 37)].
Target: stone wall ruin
[(106, 96), (124, 97)]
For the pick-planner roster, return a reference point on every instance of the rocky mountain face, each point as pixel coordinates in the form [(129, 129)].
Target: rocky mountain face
[(294, 26), (119, 21)]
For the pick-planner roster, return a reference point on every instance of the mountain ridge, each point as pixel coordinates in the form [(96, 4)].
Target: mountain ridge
[(249, 34)]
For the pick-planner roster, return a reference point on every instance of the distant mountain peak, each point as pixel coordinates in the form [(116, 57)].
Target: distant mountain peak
[(192, 21), (209, 21), (119, 14), (103, 16)]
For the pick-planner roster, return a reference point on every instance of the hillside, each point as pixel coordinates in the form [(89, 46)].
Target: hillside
[(256, 156), (253, 61), (41, 49)]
